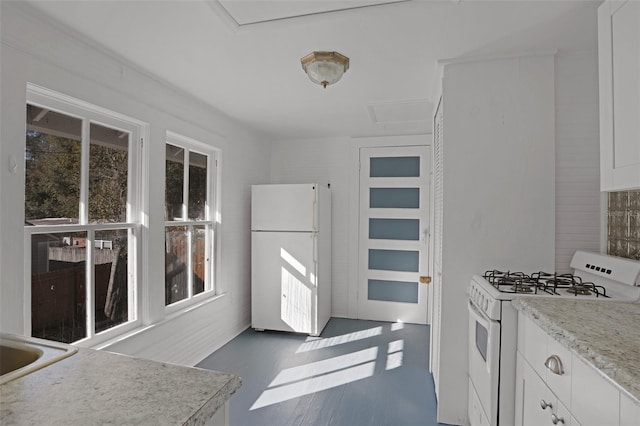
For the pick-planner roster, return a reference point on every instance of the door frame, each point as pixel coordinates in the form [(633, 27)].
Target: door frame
[(354, 204)]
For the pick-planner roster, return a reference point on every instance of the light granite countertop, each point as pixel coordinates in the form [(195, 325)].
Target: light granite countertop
[(606, 334), (101, 388)]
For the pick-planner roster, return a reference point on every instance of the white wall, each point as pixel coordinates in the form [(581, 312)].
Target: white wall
[(323, 162), (578, 198), (335, 161), (499, 193), (41, 53)]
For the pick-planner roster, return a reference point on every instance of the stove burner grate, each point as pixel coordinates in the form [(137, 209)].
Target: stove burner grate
[(542, 283)]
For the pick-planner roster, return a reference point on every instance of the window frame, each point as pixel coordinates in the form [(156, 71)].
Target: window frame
[(135, 222), (212, 219)]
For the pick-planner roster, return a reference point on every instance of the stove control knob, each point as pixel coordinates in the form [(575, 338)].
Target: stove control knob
[(486, 304)]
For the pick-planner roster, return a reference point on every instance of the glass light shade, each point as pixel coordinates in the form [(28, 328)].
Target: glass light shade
[(325, 68)]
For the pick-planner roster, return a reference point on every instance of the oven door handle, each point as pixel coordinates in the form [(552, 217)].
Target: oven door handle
[(486, 323)]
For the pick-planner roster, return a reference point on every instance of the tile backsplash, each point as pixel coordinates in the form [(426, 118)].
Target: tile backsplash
[(623, 229)]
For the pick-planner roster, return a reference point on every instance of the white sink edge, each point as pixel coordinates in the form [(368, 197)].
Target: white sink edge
[(52, 352)]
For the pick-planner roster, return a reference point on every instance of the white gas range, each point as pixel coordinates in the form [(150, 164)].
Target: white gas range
[(493, 322)]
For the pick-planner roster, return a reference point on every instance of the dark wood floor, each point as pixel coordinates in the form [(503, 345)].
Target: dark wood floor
[(356, 373)]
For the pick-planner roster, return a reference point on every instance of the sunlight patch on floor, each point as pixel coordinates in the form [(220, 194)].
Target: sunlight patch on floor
[(322, 375), (325, 366), (319, 343), (395, 353), (398, 325)]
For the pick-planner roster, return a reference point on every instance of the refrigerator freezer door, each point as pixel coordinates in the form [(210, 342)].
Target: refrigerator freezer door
[(283, 281), (283, 207)]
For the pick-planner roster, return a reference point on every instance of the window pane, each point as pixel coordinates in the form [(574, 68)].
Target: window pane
[(394, 167), (108, 168), (199, 258), (197, 185), (52, 167), (394, 229), (176, 264), (111, 278), (399, 198), (394, 260), (174, 183), (393, 291), (58, 274)]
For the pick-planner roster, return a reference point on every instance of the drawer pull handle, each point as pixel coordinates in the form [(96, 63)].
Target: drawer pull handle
[(554, 364), (544, 404), (555, 419)]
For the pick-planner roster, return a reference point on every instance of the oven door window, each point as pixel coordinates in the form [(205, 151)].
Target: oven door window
[(482, 338)]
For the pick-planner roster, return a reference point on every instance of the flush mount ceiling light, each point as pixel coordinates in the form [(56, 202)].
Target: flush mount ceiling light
[(325, 68)]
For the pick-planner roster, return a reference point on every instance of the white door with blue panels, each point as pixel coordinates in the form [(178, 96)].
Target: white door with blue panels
[(394, 234)]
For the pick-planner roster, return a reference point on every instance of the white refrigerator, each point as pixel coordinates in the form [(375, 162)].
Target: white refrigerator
[(290, 257)]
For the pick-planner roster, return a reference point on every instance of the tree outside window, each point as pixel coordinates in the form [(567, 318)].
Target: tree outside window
[(189, 226), (79, 214)]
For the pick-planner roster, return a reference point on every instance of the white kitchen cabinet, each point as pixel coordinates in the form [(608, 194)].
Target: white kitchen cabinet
[(541, 395), (619, 76), (221, 416), (594, 400), (581, 395), (538, 405), (629, 411), (560, 384)]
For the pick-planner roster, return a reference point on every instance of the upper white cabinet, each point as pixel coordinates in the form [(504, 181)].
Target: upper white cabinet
[(619, 74)]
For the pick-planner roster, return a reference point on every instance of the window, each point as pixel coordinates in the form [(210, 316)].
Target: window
[(190, 225), (82, 218)]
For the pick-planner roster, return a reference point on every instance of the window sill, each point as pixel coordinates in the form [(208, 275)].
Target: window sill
[(194, 302), (224, 299)]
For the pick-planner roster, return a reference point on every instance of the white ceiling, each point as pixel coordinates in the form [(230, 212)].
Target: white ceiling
[(252, 72), (247, 12)]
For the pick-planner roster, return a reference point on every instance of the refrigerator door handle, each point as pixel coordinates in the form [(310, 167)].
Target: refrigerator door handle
[(314, 237), (315, 208)]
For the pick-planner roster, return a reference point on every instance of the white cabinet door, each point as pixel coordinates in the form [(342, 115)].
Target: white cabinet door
[(594, 400), (536, 403), (629, 411), (619, 75)]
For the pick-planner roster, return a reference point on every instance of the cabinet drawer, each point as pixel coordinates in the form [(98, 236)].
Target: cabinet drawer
[(532, 342), (560, 384), (594, 400)]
